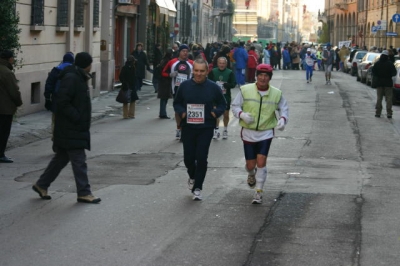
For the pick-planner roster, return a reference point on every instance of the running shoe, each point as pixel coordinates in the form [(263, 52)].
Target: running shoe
[(257, 198), (251, 179), (190, 183), (225, 134), (216, 134), (178, 134), (197, 194)]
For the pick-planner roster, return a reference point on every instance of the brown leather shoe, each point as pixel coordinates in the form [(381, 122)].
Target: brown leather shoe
[(88, 199), (42, 192)]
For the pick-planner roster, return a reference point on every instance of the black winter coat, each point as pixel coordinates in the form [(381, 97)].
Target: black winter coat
[(164, 84), (383, 71), (74, 110), (141, 64), (128, 79)]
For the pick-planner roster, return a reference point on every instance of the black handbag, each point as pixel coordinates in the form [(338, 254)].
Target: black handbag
[(124, 96)]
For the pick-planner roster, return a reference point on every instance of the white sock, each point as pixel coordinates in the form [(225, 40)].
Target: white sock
[(225, 128), (261, 177), (250, 172)]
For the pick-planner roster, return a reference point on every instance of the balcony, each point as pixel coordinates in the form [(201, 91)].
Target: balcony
[(342, 6)]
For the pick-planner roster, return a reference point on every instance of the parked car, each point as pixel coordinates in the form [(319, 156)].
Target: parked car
[(355, 60), (369, 77), (347, 64), (364, 65)]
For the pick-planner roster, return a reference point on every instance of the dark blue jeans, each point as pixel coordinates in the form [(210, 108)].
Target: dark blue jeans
[(139, 84), (5, 129), (196, 144), (163, 107), (59, 161)]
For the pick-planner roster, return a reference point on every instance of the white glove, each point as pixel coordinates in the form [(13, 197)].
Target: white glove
[(173, 74), (247, 118), (281, 124)]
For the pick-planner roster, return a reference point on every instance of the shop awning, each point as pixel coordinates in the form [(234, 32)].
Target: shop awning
[(167, 7), (163, 7), (171, 8)]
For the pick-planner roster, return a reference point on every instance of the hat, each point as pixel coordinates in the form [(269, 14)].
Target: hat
[(68, 58), (83, 60), (308, 49), (328, 44), (6, 54), (385, 52), (183, 46)]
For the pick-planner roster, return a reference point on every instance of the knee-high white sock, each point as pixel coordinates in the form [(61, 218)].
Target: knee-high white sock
[(261, 177), (250, 172)]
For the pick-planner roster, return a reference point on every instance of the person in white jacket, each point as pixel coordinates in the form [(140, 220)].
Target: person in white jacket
[(255, 106)]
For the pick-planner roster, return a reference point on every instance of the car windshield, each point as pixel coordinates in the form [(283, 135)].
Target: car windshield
[(360, 55), (371, 57)]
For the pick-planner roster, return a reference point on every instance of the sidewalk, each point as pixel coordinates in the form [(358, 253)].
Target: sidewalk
[(37, 126)]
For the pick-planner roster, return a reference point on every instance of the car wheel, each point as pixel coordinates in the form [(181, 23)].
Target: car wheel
[(362, 80), (358, 78)]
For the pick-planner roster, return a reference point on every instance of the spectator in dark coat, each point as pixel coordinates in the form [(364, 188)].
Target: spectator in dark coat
[(164, 89), (128, 80), (383, 71), (141, 65), (71, 130), (10, 99), (158, 54)]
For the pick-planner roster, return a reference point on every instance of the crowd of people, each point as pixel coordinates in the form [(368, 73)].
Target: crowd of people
[(199, 80)]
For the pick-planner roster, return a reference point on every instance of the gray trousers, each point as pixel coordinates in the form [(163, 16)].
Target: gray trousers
[(59, 161), (380, 92)]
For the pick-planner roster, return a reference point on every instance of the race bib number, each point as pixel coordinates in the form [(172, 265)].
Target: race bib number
[(180, 78), (221, 85), (195, 114)]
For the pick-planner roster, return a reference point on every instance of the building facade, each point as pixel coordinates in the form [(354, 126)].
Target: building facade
[(364, 22)]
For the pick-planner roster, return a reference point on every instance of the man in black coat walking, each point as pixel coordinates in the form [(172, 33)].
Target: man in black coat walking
[(142, 64), (383, 71), (71, 130)]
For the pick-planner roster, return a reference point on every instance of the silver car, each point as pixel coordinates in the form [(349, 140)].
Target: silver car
[(365, 64), (358, 56)]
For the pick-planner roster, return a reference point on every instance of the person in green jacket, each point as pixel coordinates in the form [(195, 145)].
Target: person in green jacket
[(225, 78)]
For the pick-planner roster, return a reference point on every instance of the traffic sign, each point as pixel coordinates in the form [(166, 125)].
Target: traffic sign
[(390, 33), (176, 28), (396, 18), (381, 24), (374, 29)]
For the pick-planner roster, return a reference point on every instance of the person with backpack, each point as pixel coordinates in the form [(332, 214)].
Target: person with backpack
[(72, 130), (53, 84)]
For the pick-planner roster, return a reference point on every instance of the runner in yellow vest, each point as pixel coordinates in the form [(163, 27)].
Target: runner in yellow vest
[(255, 105)]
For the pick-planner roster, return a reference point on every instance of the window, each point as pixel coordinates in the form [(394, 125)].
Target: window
[(96, 14), (37, 14), (62, 13), (35, 92), (79, 13)]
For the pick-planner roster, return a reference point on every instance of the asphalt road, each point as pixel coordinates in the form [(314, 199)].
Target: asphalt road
[(331, 197)]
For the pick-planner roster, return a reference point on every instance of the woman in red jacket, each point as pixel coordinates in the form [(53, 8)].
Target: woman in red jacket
[(252, 64)]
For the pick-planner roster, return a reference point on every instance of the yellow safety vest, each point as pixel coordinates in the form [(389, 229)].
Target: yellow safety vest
[(261, 108)]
